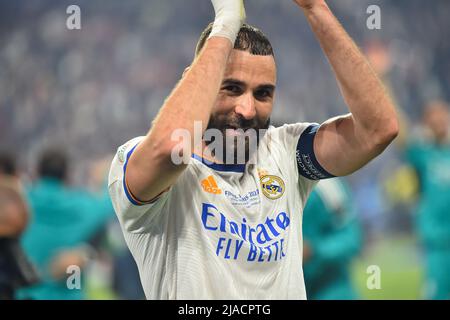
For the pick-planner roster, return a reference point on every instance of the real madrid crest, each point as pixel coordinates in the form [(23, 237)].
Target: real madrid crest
[(272, 186)]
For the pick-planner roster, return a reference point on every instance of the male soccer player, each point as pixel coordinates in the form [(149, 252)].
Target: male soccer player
[(332, 238), (64, 221), (213, 230), (428, 152), (15, 269)]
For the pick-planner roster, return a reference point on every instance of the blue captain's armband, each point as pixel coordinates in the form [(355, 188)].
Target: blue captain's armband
[(307, 164)]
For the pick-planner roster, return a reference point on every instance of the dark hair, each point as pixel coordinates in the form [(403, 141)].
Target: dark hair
[(7, 164), (53, 163), (249, 39)]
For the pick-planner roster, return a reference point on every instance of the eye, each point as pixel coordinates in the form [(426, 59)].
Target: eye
[(263, 94), (233, 89)]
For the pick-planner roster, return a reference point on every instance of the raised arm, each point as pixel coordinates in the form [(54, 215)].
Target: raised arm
[(344, 144), (150, 170)]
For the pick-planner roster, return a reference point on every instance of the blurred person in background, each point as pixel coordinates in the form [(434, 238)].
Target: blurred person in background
[(113, 274), (428, 152), (125, 276), (15, 269), (64, 219), (332, 239)]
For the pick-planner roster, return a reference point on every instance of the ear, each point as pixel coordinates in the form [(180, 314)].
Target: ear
[(185, 71)]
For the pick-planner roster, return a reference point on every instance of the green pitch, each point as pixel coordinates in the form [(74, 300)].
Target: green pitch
[(401, 271)]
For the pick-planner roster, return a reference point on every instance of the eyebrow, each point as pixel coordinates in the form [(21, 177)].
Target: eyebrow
[(231, 81)]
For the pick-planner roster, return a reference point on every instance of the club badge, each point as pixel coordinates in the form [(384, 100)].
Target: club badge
[(272, 186)]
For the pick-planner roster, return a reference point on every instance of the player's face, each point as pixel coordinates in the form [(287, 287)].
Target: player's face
[(246, 96)]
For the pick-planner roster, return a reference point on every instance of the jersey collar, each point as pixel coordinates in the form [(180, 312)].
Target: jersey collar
[(238, 168)]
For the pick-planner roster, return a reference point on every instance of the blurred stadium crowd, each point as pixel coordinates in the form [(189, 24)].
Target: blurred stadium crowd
[(87, 91)]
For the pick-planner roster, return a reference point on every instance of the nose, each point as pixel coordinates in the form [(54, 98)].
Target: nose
[(245, 106)]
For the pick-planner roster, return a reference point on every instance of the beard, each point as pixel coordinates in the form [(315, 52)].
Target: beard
[(239, 137)]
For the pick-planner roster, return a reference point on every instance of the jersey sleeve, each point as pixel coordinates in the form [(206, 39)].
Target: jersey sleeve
[(134, 215), (298, 139)]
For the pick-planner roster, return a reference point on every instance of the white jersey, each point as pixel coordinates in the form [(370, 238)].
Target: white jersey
[(224, 231)]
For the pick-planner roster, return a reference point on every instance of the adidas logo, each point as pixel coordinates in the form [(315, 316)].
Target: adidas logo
[(210, 185)]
